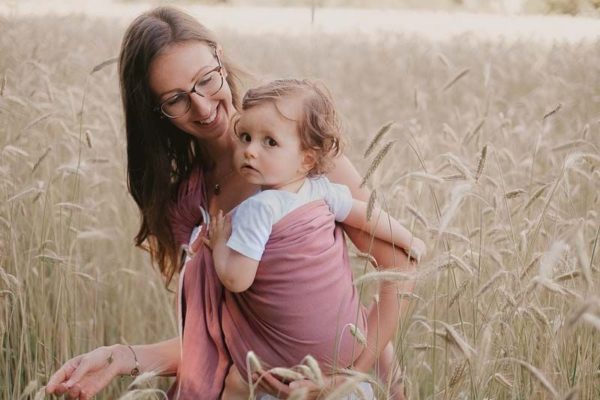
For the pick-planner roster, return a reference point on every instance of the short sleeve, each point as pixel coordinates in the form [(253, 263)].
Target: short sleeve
[(252, 223), (338, 197)]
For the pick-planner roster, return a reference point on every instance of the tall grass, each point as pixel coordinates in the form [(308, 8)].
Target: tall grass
[(70, 276), (500, 181)]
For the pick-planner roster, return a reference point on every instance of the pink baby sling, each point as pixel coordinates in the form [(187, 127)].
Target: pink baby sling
[(301, 302)]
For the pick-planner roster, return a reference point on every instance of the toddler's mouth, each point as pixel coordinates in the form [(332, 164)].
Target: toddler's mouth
[(248, 167)]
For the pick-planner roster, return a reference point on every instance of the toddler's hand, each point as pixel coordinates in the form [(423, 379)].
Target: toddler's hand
[(219, 230)]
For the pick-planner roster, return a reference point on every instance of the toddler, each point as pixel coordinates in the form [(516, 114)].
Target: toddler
[(287, 136)]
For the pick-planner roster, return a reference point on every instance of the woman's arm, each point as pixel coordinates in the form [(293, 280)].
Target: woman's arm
[(85, 375), (162, 358), (384, 227), (384, 317)]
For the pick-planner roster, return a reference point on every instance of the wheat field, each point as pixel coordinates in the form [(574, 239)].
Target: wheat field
[(494, 159)]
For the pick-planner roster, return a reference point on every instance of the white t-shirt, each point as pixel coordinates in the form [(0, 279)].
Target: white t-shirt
[(254, 218)]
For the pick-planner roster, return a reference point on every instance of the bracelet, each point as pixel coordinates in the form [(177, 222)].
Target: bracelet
[(136, 370)]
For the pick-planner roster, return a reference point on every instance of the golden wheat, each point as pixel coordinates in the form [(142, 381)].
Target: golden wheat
[(497, 169)]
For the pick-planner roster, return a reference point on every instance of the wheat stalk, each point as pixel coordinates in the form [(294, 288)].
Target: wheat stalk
[(41, 158), (313, 365), (552, 112), (356, 332), (514, 193), (571, 144), (529, 266), (3, 85), (384, 276), (454, 177), (104, 64), (454, 337), (417, 215), (286, 373), (455, 79), (458, 164), (377, 138), (371, 204), (536, 373), (459, 291), (37, 121), (481, 163), (457, 374), (502, 379), (378, 159), (470, 135), (535, 196), (490, 282)]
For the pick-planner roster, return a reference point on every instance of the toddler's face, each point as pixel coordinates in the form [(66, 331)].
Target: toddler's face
[(268, 151)]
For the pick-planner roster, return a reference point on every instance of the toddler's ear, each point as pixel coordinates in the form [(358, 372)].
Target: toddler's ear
[(309, 160)]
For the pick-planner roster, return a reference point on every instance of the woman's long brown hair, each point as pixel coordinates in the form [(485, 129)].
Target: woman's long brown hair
[(159, 155)]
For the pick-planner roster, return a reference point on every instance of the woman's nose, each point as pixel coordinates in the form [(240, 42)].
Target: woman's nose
[(201, 106)]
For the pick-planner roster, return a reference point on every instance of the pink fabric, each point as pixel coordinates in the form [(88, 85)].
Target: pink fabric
[(299, 304), (301, 299), (204, 359)]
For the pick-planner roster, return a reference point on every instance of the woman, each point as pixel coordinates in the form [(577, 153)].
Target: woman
[(179, 93)]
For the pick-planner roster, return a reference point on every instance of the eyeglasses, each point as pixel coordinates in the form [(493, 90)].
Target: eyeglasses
[(208, 85)]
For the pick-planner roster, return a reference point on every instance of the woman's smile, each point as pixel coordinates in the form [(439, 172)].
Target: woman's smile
[(213, 119)]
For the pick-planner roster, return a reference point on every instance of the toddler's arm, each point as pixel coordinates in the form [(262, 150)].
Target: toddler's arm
[(235, 271), (383, 226)]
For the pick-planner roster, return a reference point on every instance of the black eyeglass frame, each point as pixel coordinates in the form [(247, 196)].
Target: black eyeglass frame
[(219, 69)]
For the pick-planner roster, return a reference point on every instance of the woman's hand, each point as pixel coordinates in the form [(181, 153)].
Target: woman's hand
[(271, 384), (84, 376), (418, 249)]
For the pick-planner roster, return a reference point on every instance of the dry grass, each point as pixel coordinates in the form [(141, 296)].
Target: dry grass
[(500, 181)]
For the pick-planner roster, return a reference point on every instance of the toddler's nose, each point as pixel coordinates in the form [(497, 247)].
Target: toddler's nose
[(249, 152)]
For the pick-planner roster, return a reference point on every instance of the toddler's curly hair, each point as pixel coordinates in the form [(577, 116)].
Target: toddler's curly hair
[(319, 127)]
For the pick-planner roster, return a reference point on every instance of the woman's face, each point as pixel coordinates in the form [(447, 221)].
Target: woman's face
[(175, 72)]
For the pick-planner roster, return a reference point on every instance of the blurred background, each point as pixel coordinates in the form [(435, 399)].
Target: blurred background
[(572, 7), (493, 158)]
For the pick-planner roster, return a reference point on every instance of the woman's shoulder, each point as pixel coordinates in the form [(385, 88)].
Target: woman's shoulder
[(342, 171)]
